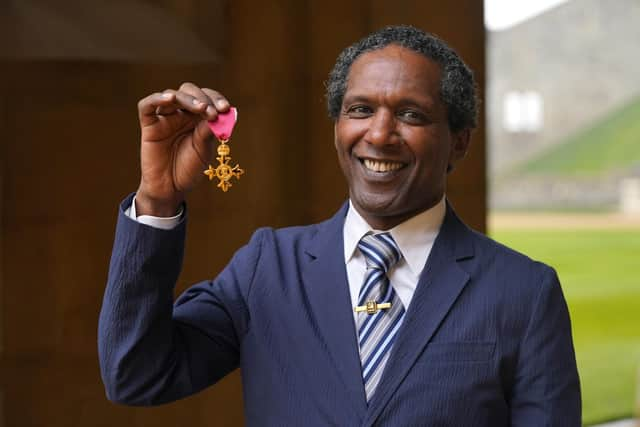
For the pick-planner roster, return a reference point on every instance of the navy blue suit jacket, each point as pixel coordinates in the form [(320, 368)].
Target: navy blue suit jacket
[(486, 340)]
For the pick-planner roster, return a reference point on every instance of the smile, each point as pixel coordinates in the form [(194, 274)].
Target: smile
[(381, 165)]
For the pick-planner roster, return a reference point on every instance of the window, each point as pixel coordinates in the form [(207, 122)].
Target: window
[(522, 111)]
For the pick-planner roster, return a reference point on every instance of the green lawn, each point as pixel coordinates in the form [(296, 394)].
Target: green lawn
[(600, 275), (612, 143)]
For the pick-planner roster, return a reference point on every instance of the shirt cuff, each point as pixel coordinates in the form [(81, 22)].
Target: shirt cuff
[(163, 223)]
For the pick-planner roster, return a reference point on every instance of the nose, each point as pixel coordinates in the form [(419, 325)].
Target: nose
[(382, 128)]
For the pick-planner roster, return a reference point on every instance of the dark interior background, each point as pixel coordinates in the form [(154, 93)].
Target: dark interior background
[(71, 73)]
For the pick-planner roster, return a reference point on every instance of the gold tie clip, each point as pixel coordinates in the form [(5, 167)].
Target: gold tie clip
[(372, 307)]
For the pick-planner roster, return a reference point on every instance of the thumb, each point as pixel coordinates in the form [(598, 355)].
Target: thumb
[(204, 140)]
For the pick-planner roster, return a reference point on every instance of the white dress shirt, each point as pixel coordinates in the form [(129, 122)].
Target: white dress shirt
[(164, 223), (414, 237)]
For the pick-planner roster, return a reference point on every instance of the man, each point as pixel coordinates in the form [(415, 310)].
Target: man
[(392, 312)]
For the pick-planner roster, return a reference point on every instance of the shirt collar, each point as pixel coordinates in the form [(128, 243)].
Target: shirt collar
[(414, 236)]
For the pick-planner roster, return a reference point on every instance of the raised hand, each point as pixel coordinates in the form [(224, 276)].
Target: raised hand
[(176, 145)]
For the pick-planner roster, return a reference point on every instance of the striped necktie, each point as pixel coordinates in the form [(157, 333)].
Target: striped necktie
[(377, 331)]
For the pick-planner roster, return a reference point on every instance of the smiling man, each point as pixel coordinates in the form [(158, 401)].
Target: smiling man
[(390, 313), (393, 137)]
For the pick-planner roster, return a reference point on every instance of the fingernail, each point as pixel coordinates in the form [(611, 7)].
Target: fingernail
[(166, 95), (210, 110), (221, 104), (197, 102)]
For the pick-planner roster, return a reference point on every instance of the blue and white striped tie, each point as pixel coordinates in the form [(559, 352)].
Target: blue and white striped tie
[(377, 331)]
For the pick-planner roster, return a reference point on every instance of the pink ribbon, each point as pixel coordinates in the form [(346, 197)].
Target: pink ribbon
[(223, 125)]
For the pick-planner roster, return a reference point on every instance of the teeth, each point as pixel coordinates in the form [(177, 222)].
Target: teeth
[(378, 166)]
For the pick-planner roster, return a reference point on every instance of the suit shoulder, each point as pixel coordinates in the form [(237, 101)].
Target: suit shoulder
[(302, 234), (286, 236), (507, 258)]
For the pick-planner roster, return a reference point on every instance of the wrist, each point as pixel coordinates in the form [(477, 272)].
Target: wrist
[(164, 208)]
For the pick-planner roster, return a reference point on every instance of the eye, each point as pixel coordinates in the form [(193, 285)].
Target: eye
[(412, 117), (359, 111)]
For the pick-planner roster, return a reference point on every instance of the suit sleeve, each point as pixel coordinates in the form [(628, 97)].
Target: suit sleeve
[(152, 351), (546, 390)]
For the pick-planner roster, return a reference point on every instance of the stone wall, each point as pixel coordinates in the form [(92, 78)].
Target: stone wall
[(582, 57)]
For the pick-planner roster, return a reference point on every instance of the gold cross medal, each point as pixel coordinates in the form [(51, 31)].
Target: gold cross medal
[(222, 127)]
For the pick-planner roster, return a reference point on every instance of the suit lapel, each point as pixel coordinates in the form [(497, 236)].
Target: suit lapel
[(325, 281), (441, 282)]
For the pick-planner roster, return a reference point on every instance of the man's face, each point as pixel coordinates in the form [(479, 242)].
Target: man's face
[(392, 136)]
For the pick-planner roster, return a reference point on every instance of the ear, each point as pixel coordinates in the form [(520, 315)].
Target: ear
[(459, 147)]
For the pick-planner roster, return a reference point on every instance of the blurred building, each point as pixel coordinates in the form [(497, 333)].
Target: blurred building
[(551, 77)]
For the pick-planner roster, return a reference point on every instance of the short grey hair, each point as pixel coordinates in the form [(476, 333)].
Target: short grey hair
[(457, 88)]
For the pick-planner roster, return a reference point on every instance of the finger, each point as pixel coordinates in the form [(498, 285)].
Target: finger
[(203, 140), (211, 111), (220, 101), (166, 110), (188, 102), (149, 106), (217, 103), (212, 97), (196, 92)]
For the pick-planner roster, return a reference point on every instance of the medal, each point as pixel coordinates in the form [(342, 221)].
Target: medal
[(222, 128)]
